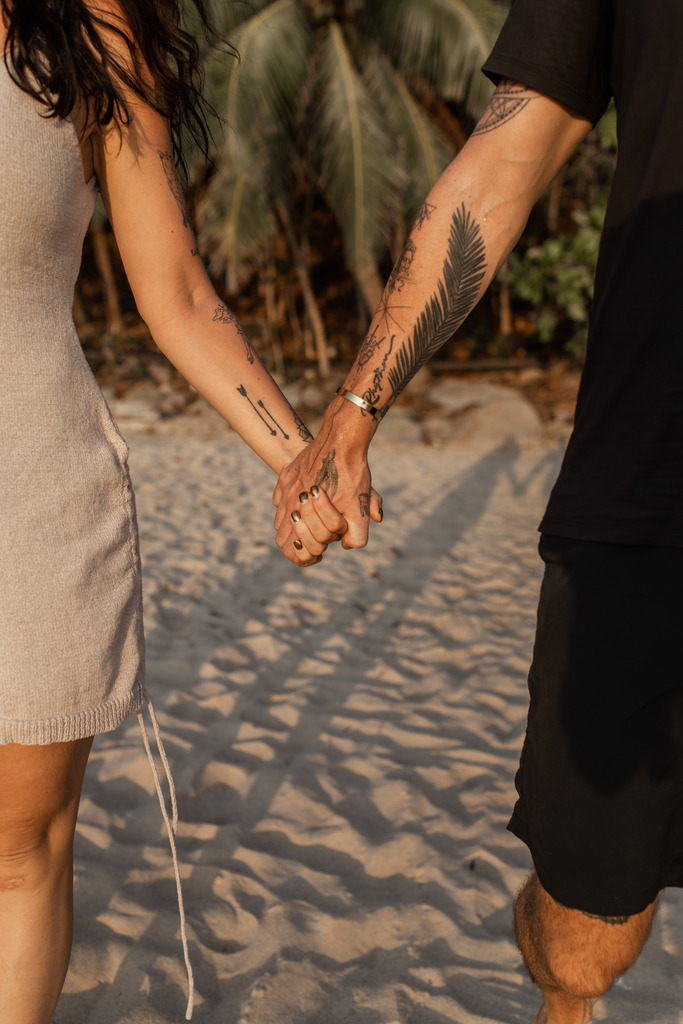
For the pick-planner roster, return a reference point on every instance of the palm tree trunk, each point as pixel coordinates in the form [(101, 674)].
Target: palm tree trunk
[(268, 283), (504, 309), (111, 294), (302, 341), (79, 314), (555, 203), (371, 286), (312, 310)]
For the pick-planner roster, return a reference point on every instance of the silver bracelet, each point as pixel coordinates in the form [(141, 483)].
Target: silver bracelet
[(360, 402)]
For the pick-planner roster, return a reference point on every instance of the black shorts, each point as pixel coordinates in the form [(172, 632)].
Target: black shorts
[(600, 780)]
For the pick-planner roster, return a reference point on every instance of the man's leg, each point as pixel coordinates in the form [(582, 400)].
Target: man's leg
[(574, 957)]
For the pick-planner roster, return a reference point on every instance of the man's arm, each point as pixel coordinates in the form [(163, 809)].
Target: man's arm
[(468, 224)]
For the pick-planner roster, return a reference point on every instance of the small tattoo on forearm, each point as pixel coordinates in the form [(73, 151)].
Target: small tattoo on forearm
[(387, 312), (401, 272), (327, 476), (364, 501), (424, 215), (243, 391), (304, 432), (269, 420), (174, 185), (508, 100), (369, 347), (194, 252), (222, 315), (273, 420)]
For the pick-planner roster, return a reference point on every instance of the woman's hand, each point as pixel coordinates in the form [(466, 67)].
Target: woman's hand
[(308, 529), (321, 500)]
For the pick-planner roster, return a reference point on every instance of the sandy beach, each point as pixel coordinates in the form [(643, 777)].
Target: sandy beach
[(343, 741)]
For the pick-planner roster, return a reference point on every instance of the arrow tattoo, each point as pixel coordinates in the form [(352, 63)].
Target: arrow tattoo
[(270, 417), (243, 391)]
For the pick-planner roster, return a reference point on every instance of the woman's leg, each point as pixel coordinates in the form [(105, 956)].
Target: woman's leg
[(40, 787)]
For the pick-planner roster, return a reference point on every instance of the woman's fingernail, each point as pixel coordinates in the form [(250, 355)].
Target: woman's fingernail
[(296, 515), (303, 497), (381, 514), (314, 492)]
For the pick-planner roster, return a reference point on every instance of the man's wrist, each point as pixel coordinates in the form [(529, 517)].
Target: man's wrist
[(349, 425), (350, 396)]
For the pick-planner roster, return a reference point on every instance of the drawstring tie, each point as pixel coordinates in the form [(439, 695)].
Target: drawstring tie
[(171, 828)]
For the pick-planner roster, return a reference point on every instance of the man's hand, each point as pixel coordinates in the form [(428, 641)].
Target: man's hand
[(325, 494)]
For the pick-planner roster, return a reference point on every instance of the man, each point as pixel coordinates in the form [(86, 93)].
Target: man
[(601, 777)]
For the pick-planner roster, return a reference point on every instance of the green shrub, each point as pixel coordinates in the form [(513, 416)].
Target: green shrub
[(556, 279)]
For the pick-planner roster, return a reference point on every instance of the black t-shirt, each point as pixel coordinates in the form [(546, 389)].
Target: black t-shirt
[(622, 476)]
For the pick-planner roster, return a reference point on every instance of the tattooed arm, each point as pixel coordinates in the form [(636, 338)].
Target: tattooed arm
[(174, 295), (467, 226)]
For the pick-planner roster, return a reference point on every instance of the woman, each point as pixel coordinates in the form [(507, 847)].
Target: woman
[(92, 96)]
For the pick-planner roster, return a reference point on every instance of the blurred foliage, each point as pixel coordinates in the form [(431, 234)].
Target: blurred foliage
[(553, 275), (329, 130), (329, 96), (556, 278)]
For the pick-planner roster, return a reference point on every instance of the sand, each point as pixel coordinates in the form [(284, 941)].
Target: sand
[(343, 740)]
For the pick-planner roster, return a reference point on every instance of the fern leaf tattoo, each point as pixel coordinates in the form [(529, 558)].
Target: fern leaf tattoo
[(457, 290)]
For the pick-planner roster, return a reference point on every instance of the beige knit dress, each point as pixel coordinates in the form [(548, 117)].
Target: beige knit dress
[(71, 647)]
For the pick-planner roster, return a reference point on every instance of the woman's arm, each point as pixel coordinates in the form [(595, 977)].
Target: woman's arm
[(189, 323), (467, 226), (187, 320)]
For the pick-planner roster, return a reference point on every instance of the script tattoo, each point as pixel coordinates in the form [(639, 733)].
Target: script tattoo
[(327, 476), (222, 315), (456, 293), (424, 215), (364, 501), (174, 185), (508, 100), (401, 272), (372, 393), (265, 416)]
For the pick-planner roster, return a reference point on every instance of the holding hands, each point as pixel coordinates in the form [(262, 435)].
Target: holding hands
[(325, 495)]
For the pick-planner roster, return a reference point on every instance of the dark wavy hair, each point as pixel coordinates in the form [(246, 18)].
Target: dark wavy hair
[(63, 52)]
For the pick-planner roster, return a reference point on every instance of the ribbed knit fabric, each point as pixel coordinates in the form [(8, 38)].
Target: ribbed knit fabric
[(71, 646)]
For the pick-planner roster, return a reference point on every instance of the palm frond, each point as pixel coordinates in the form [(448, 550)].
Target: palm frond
[(236, 225), (352, 151), (444, 42), (256, 99), (230, 15), (423, 150), (260, 90)]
